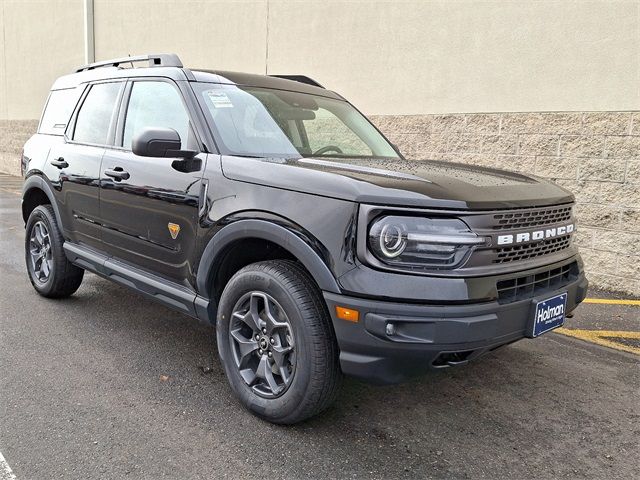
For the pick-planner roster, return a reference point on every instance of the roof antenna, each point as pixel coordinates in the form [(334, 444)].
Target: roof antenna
[(131, 62)]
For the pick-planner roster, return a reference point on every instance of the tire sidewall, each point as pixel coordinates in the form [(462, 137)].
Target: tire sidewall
[(42, 214), (292, 398)]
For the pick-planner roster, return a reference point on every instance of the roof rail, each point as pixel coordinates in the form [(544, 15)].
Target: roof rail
[(299, 78), (156, 60)]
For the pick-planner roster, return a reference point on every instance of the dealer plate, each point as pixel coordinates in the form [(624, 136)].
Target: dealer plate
[(549, 314)]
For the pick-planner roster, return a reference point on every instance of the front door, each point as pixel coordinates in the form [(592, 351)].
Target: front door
[(148, 207)]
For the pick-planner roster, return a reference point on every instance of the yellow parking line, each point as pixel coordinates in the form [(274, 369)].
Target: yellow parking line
[(612, 301), (603, 338)]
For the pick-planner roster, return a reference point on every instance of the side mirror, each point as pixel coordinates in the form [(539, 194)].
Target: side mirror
[(159, 142)]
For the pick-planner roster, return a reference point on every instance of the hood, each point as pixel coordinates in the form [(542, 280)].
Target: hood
[(428, 184)]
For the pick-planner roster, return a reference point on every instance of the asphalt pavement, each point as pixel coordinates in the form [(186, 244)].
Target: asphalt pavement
[(107, 385)]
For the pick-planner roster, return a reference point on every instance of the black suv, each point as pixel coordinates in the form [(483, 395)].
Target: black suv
[(274, 209)]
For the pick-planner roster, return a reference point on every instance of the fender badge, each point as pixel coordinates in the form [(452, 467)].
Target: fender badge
[(174, 230)]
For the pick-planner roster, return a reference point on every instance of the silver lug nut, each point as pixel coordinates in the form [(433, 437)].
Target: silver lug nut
[(272, 340), (260, 352), (264, 330), (270, 354), (257, 337)]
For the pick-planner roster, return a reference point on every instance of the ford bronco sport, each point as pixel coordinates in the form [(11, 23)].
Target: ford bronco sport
[(271, 207)]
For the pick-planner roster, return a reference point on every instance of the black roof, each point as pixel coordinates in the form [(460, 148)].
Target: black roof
[(169, 66), (265, 81)]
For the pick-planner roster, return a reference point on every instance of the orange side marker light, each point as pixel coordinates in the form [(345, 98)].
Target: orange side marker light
[(347, 314)]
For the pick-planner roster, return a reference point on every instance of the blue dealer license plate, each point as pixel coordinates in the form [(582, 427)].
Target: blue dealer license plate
[(550, 314)]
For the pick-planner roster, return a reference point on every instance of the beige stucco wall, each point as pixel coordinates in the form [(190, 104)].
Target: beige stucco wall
[(388, 57), (41, 40), (405, 57), (205, 34)]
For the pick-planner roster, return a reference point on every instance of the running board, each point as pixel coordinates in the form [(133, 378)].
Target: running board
[(151, 286)]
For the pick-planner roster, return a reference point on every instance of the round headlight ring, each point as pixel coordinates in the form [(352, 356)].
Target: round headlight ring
[(392, 240)]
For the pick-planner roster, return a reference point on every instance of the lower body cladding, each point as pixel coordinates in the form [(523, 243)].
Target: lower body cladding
[(391, 342)]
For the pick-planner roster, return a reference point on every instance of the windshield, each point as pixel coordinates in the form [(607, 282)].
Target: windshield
[(260, 122)]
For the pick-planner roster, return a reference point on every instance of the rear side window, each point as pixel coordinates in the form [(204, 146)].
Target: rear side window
[(59, 107), (96, 114)]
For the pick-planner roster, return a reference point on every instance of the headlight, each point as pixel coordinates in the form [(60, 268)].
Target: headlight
[(422, 243)]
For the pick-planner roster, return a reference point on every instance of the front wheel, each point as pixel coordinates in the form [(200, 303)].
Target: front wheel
[(276, 342)]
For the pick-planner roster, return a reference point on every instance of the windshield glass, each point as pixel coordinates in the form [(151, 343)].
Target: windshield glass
[(260, 122)]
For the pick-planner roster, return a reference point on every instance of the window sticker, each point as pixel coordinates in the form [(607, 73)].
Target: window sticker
[(219, 99)]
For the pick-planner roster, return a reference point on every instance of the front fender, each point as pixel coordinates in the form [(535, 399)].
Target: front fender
[(265, 230)]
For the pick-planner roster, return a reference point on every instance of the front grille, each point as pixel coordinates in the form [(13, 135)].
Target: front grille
[(523, 227), (538, 217), (529, 286), (532, 250)]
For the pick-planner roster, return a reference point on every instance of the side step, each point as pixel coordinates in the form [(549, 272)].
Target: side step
[(151, 286)]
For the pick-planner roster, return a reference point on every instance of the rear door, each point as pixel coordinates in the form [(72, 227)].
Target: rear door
[(150, 208), (73, 165)]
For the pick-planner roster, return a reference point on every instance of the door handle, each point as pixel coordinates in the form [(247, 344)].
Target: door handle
[(59, 162), (117, 173)]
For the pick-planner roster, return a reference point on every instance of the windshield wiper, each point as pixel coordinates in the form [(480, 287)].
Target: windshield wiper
[(343, 156), (279, 157)]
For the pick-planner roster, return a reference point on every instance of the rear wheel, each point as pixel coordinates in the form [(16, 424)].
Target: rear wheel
[(276, 342), (50, 273)]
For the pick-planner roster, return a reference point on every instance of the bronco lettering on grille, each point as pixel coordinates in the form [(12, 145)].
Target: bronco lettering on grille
[(536, 235)]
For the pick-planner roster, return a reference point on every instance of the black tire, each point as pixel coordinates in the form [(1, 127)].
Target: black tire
[(63, 278), (315, 376)]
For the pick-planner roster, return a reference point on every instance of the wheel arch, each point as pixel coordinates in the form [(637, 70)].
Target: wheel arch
[(36, 191), (244, 230)]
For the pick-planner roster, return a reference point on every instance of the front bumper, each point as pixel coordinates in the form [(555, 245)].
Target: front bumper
[(431, 336)]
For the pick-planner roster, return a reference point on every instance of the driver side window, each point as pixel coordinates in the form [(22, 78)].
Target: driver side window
[(157, 104)]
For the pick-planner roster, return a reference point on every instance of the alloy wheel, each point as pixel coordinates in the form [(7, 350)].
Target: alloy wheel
[(40, 252), (262, 343)]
